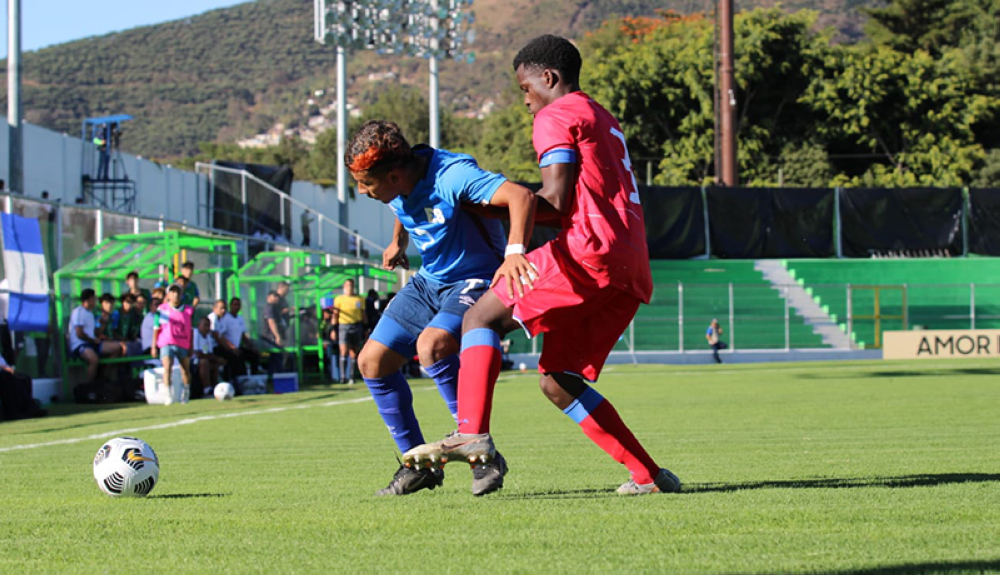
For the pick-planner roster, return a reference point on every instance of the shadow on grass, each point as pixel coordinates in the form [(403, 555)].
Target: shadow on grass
[(924, 480), (568, 494), (893, 373), (188, 496), (929, 568)]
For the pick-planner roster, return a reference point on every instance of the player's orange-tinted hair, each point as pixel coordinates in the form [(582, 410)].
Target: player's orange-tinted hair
[(378, 146)]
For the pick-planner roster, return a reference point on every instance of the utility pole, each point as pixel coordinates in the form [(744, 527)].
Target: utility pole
[(726, 96), (15, 156), (435, 112)]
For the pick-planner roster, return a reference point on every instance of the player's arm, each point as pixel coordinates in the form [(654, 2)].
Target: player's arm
[(395, 255), (558, 187), (515, 270)]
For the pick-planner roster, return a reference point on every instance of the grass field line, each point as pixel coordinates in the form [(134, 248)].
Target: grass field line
[(186, 421)]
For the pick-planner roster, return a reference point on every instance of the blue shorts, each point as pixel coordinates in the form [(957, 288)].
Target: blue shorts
[(78, 352), (174, 352), (424, 303)]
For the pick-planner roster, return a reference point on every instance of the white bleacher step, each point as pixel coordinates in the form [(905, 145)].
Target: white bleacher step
[(800, 300)]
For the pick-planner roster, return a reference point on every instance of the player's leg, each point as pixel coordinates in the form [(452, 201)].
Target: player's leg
[(438, 346), (185, 374), (437, 350), (481, 357), (380, 366), (90, 356), (390, 346), (574, 351), (342, 336), (168, 371)]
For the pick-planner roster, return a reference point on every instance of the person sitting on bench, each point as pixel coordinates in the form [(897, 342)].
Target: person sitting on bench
[(83, 344)]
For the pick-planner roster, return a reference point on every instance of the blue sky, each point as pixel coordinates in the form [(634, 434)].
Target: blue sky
[(48, 22)]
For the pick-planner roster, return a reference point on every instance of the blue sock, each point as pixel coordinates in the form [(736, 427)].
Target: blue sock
[(395, 404), (445, 375)]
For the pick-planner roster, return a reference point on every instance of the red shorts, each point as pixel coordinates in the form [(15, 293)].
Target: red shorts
[(581, 321)]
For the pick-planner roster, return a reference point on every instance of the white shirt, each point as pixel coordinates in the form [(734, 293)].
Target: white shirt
[(146, 330), (233, 328), (84, 318), (203, 343)]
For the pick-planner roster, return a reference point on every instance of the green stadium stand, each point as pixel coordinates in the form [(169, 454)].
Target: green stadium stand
[(938, 292)]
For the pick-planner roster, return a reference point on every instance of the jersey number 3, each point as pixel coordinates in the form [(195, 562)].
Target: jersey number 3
[(634, 196)]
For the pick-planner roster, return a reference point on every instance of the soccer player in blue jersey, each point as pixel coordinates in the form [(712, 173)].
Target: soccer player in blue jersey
[(463, 255)]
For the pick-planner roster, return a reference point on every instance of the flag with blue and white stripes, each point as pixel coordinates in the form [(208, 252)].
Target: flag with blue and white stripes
[(24, 264)]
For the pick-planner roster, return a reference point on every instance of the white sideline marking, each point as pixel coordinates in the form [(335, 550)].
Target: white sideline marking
[(187, 421)]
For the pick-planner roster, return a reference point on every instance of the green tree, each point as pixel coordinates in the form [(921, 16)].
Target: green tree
[(913, 113), (929, 25)]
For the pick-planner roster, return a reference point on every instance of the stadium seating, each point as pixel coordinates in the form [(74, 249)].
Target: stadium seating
[(937, 291)]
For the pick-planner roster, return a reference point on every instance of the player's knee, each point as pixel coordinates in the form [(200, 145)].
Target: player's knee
[(433, 348), (550, 388), (370, 363)]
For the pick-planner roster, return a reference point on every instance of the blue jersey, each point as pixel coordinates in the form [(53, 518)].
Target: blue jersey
[(454, 244)]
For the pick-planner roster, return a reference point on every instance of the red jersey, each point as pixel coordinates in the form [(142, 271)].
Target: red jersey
[(605, 231)]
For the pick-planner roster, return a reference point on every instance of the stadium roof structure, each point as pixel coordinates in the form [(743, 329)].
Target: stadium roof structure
[(310, 281)]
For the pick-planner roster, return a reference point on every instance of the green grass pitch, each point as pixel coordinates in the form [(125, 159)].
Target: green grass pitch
[(871, 468)]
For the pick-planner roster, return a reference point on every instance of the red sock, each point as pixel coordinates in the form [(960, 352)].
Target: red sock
[(602, 424), (477, 376)]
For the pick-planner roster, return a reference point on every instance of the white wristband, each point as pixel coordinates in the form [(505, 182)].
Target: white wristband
[(514, 249)]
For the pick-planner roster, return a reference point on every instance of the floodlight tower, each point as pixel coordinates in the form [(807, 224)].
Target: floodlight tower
[(348, 25), (15, 155)]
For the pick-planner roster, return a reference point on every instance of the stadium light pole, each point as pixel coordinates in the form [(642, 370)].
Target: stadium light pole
[(15, 155), (727, 98), (435, 112)]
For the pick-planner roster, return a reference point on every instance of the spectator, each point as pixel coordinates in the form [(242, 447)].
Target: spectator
[(328, 338), (83, 343), (129, 319), (108, 318), (714, 338), (16, 399), (191, 294), (141, 305), (284, 309), (132, 281), (236, 333), (172, 335), (349, 316), (146, 330), (305, 220), (272, 328), (219, 323), (204, 357)]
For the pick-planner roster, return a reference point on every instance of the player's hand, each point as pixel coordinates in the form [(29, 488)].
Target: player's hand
[(155, 352), (395, 256), (515, 273)]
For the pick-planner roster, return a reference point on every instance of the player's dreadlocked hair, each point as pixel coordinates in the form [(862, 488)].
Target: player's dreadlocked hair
[(552, 52), (378, 146)]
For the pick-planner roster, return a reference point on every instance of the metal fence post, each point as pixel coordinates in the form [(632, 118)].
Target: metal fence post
[(850, 309), (708, 236), (243, 190), (99, 226), (631, 336), (788, 339), (732, 320), (680, 316), (972, 304), (838, 232), (965, 222)]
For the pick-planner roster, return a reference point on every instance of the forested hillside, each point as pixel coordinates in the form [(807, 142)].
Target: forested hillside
[(237, 71)]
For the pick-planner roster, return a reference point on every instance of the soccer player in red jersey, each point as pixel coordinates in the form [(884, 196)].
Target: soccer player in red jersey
[(587, 284)]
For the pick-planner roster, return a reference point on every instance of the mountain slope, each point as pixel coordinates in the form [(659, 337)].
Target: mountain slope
[(236, 71)]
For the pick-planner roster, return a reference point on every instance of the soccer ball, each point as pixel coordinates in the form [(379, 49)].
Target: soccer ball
[(126, 467), (224, 391)]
